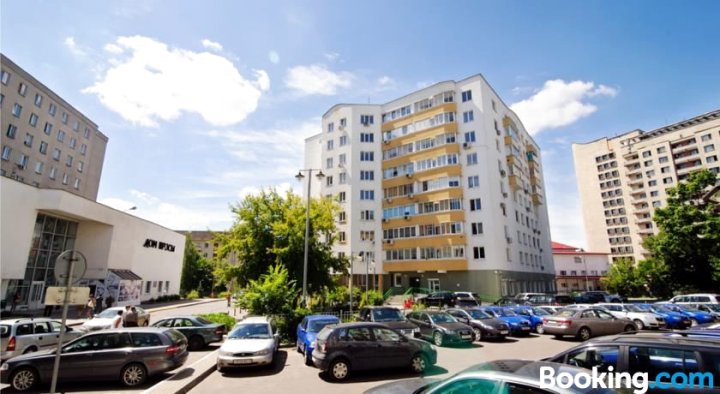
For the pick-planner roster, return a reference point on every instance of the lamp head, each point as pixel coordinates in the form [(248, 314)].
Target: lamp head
[(299, 176), (320, 175)]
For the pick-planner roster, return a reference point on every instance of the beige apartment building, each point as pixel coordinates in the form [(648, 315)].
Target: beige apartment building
[(206, 245), (46, 142), (623, 179)]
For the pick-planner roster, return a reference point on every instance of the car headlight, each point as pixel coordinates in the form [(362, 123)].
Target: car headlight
[(513, 324), (226, 354), (262, 352), (4, 367)]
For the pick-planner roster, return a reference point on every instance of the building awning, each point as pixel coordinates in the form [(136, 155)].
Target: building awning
[(126, 274)]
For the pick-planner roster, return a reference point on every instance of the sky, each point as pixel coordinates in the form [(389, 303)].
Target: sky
[(205, 102)]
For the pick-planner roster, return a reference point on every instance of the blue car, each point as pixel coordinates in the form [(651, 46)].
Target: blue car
[(519, 325), (534, 314), (307, 331), (672, 319), (696, 316)]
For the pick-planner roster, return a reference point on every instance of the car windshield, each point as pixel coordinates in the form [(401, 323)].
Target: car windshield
[(505, 312), (250, 331), (479, 315), (633, 308), (108, 313), (387, 314), (317, 325), (566, 313), (660, 308), (442, 318), (539, 312), (688, 308)]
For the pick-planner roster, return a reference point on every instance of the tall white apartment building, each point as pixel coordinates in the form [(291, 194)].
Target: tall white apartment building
[(623, 179), (439, 189)]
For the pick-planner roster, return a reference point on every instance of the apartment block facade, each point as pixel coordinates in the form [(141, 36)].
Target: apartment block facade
[(439, 189), (46, 142), (622, 180)]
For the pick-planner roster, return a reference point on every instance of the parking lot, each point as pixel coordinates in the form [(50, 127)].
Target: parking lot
[(290, 374)]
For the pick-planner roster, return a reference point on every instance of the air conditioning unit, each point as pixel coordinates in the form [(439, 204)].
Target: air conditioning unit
[(384, 220), (502, 173), (341, 165), (505, 194), (409, 175), (411, 195), (466, 145), (341, 127), (388, 200), (407, 217), (386, 142), (508, 239), (389, 241)]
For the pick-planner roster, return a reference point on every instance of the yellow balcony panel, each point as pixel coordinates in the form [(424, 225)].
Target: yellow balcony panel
[(514, 182), (427, 113), (510, 159), (508, 140), (507, 121), (398, 180), (425, 242), (425, 265), (443, 194), (537, 199)]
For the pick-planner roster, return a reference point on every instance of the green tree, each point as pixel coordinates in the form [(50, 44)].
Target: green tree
[(270, 229), (622, 278), (274, 293), (688, 242), (196, 270)]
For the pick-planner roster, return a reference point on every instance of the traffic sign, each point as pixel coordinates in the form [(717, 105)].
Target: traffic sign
[(56, 295), (62, 266)]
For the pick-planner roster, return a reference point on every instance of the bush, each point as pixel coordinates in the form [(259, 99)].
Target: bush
[(372, 297), (222, 318), (192, 295)]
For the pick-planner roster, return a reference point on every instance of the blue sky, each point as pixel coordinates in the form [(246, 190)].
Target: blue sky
[(205, 102)]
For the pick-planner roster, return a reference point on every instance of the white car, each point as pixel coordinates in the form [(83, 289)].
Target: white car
[(104, 319), (701, 298), (253, 341), (642, 319)]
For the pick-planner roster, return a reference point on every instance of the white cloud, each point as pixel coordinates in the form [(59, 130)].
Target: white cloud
[(317, 79), (332, 56), (150, 82), (212, 45), (74, 47), (274, 57), (559, 103)]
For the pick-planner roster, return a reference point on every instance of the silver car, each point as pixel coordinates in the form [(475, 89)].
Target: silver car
[(20, 336), (253, 341)]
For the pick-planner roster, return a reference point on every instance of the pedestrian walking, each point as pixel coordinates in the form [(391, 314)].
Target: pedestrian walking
[(130, 317), (118, 320), (15, 301), (228, 297), (109, 301), (90, 307), (98, 304)]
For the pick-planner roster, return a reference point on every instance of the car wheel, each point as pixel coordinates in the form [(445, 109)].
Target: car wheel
[(438, 338), (308, 357), (478, 334), (221, 369), (418, 363), (24, 379), (196, 343), (630, 328), (339, 369), (133, 375), (539, 329), (297, 345), (584, 333), (558, 336), (639, 324)]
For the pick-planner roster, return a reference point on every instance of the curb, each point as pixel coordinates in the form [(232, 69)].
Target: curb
[(186, 378)]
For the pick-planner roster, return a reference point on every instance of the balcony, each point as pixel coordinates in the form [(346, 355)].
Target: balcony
[(641, 210), (508, 140), (683, 145), (514, 181), (687, 168), (537, 199), (634, 171), (635, 181), (642, 221)]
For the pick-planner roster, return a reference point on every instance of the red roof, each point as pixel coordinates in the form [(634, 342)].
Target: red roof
[(558, 248)]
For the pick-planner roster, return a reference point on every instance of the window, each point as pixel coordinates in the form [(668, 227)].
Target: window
[(69, 161), (705, 137), (52, 109), (709, 148), (53, 173), (367, 215), (22, 161), (343, 122), (647, 163), (665, 170), (367, 194), (329, 180), (472, 159), (366, 120), (711, 159), (64, 117), (494, 106), (330, 145), (341, 237), (5, 77), (667, 180), (342, 217), (646, 154), (38, 100), (331, 127), (470, 136), (473, 181), (73, 142), (22, 89), (468, 116), (33, 120), (466, 95), (367, 156), (87, 133), (654, 193), (329, 162), (652, 183), (6, 151), (661, 149), (601, 357), (663, 159), (56, 154), (43, 147), (475, 204), (341, 197), (11, 131), (650, 173), (343, 140), (147, 286), (17, 110), (367, 137), (39, 167), (83, 149), (48, 128), (76, 185), (342, 178), (61, 136), (478, 252), (654, 360), (28, 139), (367, 175), (477, 228)]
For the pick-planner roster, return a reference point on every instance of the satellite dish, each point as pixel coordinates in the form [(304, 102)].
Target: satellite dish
[(62, 266)]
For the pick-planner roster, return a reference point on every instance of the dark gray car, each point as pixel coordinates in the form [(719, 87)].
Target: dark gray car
[(440, 327), (484, 325), (198, 331), (391, 317), (127, 354)]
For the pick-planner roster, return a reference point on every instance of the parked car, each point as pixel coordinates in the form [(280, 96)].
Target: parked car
[(593, 297), (673, 319), (253, 341), (703, 331), (494, 377), (713, 309), (466, 294), (551, 309), (585, 323), (508, 301), (701, 298), (307, 331), (128, 354), (523, 297), (519, 325), (20, 336), (440, 327), (550, 299), (696, 316), (391, 317), (347, 347), (104, 319), (198, 331), (648, 353), (439, 298), (642, 319), (533, 314), (484, 326), (466, 302)]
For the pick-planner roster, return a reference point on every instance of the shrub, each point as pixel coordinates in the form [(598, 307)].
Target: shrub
[(222, 318), (372, 297), (192, 295)]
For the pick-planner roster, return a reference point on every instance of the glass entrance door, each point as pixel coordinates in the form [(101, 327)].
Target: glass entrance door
[(35, 298)]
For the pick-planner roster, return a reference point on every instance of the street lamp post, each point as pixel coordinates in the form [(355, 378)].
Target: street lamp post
[(300, 177), (582, 256)]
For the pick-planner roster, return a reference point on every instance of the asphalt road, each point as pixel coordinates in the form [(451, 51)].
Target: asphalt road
[(116, 387), (290, 374)]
